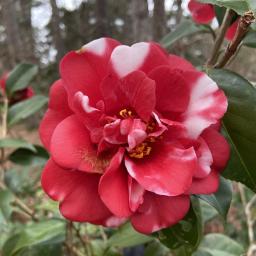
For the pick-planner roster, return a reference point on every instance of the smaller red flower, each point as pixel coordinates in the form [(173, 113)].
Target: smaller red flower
[(19, 95), (204, 14)]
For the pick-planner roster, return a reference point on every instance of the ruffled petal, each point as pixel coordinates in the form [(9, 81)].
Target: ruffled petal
[(113, 187), (77, 193), (158, 212), (219, 147), (135, 91), (166, 171), (207, 185), (140, 56), (136, 193), (176, 62), (83, 70), (201, 13), (172, 91), (71, 147), (207, 103), (58, 110)]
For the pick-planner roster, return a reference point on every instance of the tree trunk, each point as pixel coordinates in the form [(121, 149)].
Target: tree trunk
[(159, 20), (27, 36), (139, 18), (56, 31), (12, 31), (101, 17)]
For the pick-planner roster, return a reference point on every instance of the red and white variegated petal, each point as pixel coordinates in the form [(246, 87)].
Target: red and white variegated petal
[(207, 103), (158, 212), (140, 56)]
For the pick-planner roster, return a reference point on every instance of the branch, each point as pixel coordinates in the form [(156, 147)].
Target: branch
[(220, 37), (245, 21)]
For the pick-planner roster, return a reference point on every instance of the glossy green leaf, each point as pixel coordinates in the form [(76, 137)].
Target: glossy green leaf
[(219, 245), (126, 236), (20, 77), (239, 6), (28, 158), (185, 28), (250, 39), (6, 199), (239, 126), (208, 212), (221, 200), (16, 143), (185, 235), (42, 233), (26, 108)]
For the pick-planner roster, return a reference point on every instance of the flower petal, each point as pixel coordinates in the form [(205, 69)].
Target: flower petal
[(207, 185), (77, 192), (172, 91), (113, 187), (140, 56), (135, 91), (84, 70), (201, 13), (159, 212), (71, 147), (176, 62), (136, 193), (219, 148), (166, 171), (58, 110), (207, 103)]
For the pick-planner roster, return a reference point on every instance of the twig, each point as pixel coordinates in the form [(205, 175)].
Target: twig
[(21, 205), (245, 21), (73, 250), (69, 237), (220, 37)]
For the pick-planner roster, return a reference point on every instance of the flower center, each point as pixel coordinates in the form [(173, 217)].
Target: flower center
[(126, 113), (141, 150)]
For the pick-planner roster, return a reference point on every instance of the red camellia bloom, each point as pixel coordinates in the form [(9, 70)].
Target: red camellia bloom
[(131, 136), (205, 13), (18, 95)]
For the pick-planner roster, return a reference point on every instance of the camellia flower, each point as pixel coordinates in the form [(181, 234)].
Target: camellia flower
[(205, 13), (18, 95), (132, 133)]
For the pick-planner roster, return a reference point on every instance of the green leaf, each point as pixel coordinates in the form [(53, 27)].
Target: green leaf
[(6, 199), (250, 39), (239, 126), (25, 108), (208, 212), (28, 158), (221, 200), (252, 5), (126, 236), (239, 6), (45, 232), (219, 245), (187, 233), (20, 77), (16, 143), (185, 28), (156, 249)]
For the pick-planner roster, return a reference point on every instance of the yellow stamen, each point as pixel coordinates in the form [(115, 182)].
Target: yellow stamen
[(125, 113), (140, 151)]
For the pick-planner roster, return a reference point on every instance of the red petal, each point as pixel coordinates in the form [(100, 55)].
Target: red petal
[(172, 92), (113, 187), (207, 185), (219, 148), (58, 110), (207, 103), (201, 13), (135, 91), (166, 171), (71, 147), (84, 70), (77, 192), (140, 56), (158, 212), (136, 193), (176, 62), (230, 34)]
